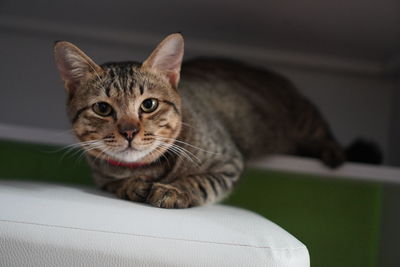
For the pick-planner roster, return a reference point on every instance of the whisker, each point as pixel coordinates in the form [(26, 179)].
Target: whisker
[(187, 125), (103, 151), (180, 152), (179, 155), (81, 147), (158, 149), (185, 143), (84, 151), (183, 150), (77, 147)]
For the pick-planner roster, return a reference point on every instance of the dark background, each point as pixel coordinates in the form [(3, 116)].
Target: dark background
[(343, 55)]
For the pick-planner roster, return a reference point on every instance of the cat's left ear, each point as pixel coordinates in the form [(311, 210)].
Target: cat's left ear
[(166, 59)]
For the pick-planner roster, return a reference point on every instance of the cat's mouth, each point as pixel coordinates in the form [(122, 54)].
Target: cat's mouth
[(131, 152), (130, 148)]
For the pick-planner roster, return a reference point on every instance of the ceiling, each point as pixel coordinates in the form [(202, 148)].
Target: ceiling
[(356, 29)]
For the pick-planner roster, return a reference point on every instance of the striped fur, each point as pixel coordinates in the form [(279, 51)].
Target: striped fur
[(198, 139)]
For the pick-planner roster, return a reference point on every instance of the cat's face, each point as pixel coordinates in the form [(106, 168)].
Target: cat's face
[(124, 111)]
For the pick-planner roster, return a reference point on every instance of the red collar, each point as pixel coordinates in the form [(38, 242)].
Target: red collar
[(132, 165)]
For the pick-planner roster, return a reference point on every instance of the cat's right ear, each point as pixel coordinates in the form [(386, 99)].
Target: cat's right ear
[(74, 66)]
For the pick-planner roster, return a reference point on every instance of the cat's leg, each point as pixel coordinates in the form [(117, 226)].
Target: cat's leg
[(198, 189), (326, 149), (135, 189), (323, 147), (315, 139)]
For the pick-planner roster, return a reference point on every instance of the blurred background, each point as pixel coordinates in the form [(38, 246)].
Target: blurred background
[(343, 55)]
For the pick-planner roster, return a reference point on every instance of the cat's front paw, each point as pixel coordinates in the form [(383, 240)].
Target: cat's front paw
[(168, 196), (134, 189)]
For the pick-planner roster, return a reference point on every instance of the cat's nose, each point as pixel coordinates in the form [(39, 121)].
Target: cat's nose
[(128, 131)]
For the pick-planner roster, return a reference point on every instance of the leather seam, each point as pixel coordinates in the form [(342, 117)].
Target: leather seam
[(152, 236)]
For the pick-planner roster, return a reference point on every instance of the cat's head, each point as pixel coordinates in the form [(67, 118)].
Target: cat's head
[(128, 112)]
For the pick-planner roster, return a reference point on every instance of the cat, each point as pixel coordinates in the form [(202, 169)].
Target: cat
[(150, 136)]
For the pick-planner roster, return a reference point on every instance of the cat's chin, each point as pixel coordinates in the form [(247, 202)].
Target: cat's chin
[(129, 155)]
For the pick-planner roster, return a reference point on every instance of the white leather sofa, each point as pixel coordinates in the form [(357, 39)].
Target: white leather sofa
[(63, 225)]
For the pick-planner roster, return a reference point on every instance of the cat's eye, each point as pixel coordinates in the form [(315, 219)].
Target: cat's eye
[(102, 108), (149, 105)]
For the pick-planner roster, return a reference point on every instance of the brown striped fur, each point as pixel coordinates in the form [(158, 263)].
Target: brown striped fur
[(221, 114)]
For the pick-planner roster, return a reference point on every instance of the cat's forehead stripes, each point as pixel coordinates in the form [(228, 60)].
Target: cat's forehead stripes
[(125, 77)]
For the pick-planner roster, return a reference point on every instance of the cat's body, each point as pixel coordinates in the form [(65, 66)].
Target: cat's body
[(226, 113), (261, 111)]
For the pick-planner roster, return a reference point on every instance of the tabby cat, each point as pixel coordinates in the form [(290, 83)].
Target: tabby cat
[(149, 140)]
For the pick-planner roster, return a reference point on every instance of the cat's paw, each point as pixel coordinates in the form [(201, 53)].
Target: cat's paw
[(333, 156), (168, 196), (134, 189)]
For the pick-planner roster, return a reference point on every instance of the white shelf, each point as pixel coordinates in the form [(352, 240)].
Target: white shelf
[(353, 171)]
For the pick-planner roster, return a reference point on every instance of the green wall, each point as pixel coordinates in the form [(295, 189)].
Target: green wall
[(338, 220), (42, 163)]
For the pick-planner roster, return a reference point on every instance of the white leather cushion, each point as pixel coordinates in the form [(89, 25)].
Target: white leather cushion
[(58, 225)]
